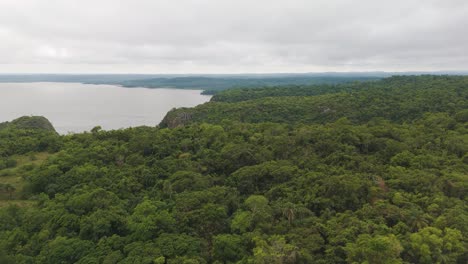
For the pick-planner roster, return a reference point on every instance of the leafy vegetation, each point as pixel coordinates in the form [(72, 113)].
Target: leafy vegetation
[(271, 179)]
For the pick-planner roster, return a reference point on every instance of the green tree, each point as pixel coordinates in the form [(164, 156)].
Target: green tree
[(274, 250), (374, 249), (229, 248), (65, 250), (432, 245)]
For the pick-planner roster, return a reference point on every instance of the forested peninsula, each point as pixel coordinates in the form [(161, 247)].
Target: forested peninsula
[(360, 172)]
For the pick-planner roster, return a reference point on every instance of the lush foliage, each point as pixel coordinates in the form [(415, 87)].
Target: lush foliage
[(380, 182)]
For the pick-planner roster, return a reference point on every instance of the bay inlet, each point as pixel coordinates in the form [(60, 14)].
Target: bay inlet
[(77, 107)]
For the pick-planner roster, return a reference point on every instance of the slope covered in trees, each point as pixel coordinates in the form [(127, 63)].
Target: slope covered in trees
[(397, 99), (28, 134), (383, 180), (214, 84), (395, 84)]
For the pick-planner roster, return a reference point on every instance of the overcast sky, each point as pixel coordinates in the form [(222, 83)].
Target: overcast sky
[(232, 36)]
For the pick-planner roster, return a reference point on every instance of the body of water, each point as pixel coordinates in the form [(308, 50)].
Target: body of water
[(76, 107)]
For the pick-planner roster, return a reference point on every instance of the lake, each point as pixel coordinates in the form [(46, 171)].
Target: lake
[(77, 107)]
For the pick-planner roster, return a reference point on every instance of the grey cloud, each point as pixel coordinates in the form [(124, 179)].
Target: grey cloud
[(163, 36)]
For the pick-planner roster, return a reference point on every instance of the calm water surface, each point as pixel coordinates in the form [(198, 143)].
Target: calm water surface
[(76, 107)]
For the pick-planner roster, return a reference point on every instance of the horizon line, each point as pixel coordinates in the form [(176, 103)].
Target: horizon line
[(243, 73)]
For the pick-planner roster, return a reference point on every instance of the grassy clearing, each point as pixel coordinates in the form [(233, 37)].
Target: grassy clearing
[(15, 177), (34, 158), (19, 203)]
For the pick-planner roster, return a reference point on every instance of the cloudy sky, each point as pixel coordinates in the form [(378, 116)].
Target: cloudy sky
[(232, 36)]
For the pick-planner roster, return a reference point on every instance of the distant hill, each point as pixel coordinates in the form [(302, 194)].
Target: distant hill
[(399, 99), (29, 122), (212, 85)]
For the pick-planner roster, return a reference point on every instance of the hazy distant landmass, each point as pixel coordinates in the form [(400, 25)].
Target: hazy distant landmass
[(77, 78), (211, 83)]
